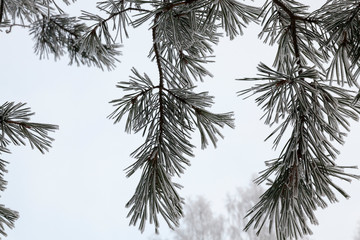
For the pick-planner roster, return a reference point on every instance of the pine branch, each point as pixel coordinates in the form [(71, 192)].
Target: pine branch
[(15, 127), (305, 168)]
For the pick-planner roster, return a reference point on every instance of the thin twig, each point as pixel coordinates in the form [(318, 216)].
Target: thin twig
[(293, 19), (23, 124), (161, 76), (120, 12), (16, 25), (294, 175)]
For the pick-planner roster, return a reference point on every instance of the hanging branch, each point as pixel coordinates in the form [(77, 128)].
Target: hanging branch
[(156, 192), (183, 35), (168, 112), (295, 97)]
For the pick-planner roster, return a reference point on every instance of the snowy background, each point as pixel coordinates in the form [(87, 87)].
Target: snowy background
[(78, 190)]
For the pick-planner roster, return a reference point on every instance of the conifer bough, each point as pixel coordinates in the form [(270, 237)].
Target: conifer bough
[(15, 128), (310, 92)]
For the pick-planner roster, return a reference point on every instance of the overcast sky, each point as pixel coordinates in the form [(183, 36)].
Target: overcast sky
[(78, 190)]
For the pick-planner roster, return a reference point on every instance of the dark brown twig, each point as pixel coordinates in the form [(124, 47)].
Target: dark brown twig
[(293, 19), (161, 75), (23, 124)]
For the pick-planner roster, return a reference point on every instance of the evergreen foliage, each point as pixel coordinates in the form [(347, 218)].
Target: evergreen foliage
[(15, 128), (314, 50), (308, 92)]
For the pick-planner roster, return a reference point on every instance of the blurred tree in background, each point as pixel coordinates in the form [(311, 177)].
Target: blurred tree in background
[(357, 234), (306, 94), (237, 206), (201, 223)]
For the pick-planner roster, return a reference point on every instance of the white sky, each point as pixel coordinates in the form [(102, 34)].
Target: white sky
[(78, 190)]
